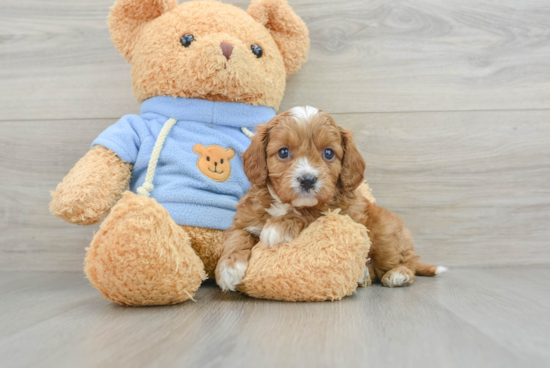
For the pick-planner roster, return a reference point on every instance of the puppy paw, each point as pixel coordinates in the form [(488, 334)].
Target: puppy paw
[(399, 276), (366, 279), (275, 234), (230, 274)]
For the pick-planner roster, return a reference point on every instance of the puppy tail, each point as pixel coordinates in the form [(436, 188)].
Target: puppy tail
[(424, 269)]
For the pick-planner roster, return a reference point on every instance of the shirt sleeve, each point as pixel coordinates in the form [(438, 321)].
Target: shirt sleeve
[(123, 138)]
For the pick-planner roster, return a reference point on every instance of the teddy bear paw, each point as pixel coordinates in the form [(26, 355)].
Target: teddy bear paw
[(231, 275)]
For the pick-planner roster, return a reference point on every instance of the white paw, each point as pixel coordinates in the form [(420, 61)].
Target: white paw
[(397, 279), (231, 276), (254, 230), (365, 279), (440, 269), (272, 235)]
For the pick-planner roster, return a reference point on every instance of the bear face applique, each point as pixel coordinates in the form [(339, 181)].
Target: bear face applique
[(213, 161)]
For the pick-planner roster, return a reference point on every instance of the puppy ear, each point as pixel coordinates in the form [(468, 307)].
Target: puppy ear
[(230, 153), (199, 149), (127, 17), (254, 158), (288, 30), (353, 165)]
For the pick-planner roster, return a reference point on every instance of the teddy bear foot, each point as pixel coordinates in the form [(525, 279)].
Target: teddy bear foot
[(141, 257), (325, 262)]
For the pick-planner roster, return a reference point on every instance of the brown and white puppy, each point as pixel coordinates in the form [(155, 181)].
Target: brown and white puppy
[(302, 164)]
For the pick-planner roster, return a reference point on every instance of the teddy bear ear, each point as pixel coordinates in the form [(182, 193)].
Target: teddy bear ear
[(288, 30), (127, 17)]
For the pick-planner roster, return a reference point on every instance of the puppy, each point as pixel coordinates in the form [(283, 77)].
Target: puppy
[(301, 164)]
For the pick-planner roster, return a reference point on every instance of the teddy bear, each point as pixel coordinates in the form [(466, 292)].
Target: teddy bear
[(206, 73)]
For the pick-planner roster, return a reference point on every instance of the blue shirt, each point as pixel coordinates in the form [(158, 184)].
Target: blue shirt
[(191, 178)]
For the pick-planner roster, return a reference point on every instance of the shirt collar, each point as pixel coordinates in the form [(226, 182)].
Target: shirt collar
[(235, 114)]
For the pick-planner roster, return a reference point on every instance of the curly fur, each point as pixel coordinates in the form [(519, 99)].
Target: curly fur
[(141, 257), (148, 32), (278, 209), (92, 187), (207, 243), (323, 263)]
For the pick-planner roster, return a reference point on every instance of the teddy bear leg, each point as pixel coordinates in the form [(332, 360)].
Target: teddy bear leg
[(325, 262), (207, 244), (141, 257)]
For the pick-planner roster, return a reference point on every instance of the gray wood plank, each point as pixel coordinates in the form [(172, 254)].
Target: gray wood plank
[(462, 318), (511, 305), (57, 62), (41, 296), (34, 158), (471, 186)]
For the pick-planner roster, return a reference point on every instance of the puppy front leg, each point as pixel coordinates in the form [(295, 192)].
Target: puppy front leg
[(282, 229), (234, 259)]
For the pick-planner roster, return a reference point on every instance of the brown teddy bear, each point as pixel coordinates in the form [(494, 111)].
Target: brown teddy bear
[(206, 74)]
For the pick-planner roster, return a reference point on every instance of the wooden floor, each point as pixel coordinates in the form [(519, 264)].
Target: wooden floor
[(496, 317)]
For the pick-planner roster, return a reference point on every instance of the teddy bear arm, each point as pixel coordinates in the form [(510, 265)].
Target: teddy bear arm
[(325, 262), (92, 187)]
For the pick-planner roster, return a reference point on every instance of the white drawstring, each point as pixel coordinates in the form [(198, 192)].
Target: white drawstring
[(147, 187), (247, 132)]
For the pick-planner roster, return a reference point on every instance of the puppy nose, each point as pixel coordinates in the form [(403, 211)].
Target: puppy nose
[(307, 182), (227, 49)]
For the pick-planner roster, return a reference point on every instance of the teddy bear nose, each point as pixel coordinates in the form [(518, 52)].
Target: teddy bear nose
[(227, 49)]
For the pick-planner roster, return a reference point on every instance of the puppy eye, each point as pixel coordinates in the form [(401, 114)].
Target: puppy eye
[(207, 158), (221, 161), (257, 50), (186, 40), (283, 153), (328, 154)]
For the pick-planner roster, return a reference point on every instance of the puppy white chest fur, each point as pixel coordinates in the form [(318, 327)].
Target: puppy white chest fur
[(271, 234), (254, 230), (279, 209)]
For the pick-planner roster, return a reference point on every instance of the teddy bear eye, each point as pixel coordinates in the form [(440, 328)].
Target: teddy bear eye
[(257, 50), (207, 158), (186, 40), (221, 161)]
